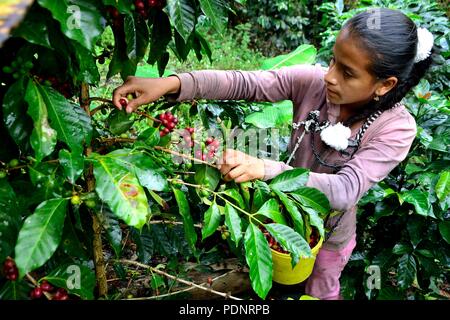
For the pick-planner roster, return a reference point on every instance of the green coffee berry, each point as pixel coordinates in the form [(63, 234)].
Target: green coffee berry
[(75, 200), (13, 162)]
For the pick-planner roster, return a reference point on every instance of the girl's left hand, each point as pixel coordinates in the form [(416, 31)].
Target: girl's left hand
[(240, 167)]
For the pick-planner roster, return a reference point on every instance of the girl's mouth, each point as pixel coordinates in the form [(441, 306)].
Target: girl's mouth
[(331, 92)]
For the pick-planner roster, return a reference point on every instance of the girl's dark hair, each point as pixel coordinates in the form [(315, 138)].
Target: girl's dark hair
[(390, 39)]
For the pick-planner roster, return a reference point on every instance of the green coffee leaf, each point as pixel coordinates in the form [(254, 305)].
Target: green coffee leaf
[(40, 235), (121, 190), (259, 259), (291, 241), (188, 223), (182, 16), (82, 22), (292, 209), (290, 180), (43, 137), (211, 221), (271, 210), (233, 223)]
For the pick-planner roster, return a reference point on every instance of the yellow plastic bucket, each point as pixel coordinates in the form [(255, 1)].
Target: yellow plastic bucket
[(282, 268)]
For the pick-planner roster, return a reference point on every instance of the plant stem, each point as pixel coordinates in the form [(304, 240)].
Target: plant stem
[(110, 102), (84, 97), (197, 225), (131, 140), (184, 156), (235, 206), (198, 186), (88, 101), (116, 140), (95, 110), (26, 165), (100, 270), (147, 116)]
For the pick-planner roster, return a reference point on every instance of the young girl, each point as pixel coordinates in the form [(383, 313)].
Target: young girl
[(379, 55)]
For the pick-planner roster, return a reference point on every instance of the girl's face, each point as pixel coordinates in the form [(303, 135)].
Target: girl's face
[(348, 80)]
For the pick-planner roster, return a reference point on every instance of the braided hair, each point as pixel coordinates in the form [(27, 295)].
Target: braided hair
[(391, 45)]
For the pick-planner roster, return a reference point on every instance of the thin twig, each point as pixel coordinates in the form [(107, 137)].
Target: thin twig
[(26, 165), (147, 116), (184, 172), (197, 225), (190, 184), (88, 101), (95, 110), (235, 206), (183, 290), (116, 140), (131, 140), (184, 156), (189, 283)]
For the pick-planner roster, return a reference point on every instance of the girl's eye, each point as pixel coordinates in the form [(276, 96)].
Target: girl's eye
[(332, 60), (347, 75)]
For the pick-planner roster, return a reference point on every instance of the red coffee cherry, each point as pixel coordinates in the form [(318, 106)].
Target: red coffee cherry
[(139, 5), (45, 286), (9, 264), (209, 140), (123, 102), (36, 293)]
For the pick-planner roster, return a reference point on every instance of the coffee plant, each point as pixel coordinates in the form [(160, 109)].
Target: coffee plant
[(77, 174), (278, 26), (88, 191)]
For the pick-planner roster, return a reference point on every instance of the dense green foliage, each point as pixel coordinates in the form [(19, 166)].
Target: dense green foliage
[(76, 172)]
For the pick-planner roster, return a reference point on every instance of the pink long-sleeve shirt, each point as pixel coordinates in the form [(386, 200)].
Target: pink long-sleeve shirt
[(384, 145)]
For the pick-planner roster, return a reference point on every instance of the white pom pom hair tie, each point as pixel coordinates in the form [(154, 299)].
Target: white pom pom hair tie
[(425, 42), (336, 136)]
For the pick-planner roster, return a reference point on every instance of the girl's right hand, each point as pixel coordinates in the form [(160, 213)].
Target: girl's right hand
[(145, 90)]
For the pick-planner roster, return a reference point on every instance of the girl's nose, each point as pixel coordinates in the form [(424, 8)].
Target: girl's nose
[(330, 78)]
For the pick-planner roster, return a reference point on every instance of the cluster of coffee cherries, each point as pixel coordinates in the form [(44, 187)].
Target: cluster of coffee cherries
[(10, 270), (211, 146), (273, 244), (115, 16), (18, 68), (142, 7), (168, 123), (12, 163), (62, 87), (188, 137), (37, 292), (314, 238), (204, 151), (224, 233)]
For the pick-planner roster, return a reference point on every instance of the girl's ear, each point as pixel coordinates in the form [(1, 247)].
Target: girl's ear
[(385, 86)]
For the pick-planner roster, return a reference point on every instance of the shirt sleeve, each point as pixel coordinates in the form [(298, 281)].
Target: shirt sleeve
[(273, 168), (274, 85), (383, 151)]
